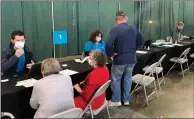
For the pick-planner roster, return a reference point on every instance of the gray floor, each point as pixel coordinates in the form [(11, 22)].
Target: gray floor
[(174, 100)]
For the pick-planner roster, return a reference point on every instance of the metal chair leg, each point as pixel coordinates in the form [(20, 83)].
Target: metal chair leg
[(91, 112), (158, 82), (163, 77), (171, 68), (145, 94), (108, 112), (191, 65), (188, 66), (134, 89), (182, 71), (155, 89)]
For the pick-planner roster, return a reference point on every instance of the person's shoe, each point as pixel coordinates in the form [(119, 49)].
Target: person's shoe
[(126, 103), (114, 104)]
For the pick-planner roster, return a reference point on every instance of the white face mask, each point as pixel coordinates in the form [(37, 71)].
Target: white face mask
[(19, 44), (98, 39)]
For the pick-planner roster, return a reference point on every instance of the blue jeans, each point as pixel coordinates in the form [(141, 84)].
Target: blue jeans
[(117, 72)]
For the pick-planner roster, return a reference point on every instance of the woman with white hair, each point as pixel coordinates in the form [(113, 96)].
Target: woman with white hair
[(53, 93), (98, 77)]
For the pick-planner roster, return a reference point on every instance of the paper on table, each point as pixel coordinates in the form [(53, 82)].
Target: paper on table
[(27, 83), (5, 80), (81, 61), (168, 45), (156, 43), (178, 44), (141, 52), (64, 65), (68, 72), (78, 60)]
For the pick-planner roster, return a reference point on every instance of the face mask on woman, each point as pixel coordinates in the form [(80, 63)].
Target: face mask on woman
[(98, 39)]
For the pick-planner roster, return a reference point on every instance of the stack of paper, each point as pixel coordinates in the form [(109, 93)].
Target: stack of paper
[(68, 72), (27, 83), (141, 52)]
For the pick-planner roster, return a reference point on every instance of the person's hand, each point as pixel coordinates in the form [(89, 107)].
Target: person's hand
[(19, 52), (114, 55), (77, 88), (30, 65)]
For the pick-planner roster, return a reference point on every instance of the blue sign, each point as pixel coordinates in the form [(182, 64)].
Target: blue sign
[(60, 37)]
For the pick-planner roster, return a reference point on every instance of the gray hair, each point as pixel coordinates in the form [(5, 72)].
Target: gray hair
[(50, 66), (99, 57)]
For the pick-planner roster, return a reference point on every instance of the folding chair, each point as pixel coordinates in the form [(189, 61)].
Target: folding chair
[(72, 113), (158, 70), (7, 114), (180, 60), (192, 56), (99, 92), (145, 80)]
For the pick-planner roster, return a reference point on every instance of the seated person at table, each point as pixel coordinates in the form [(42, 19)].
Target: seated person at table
[(16, 58), (53, 93), (95, 42), (98, 77)]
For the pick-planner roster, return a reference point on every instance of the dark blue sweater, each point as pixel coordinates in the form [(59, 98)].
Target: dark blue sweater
[(124, 40)]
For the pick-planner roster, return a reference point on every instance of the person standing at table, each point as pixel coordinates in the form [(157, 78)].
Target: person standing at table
[(95, 42), (53, 93), (121, 45), (17, 58), (98, 77)]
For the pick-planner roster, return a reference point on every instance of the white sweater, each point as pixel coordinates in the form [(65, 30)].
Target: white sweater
[(51, 95)]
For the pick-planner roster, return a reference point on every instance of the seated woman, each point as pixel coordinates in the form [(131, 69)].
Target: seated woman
[(17, 58), (93, 82), (95, 42), (52, 94)]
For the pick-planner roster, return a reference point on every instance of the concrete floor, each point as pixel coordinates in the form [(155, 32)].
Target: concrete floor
[(176, 99)]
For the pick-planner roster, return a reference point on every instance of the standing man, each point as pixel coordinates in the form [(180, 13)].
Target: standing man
[(122, 43)]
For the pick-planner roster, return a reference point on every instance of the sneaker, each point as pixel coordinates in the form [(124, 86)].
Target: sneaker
[(126, 103), (114, 104)]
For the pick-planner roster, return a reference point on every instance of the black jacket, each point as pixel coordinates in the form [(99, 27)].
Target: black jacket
[(9, 60)]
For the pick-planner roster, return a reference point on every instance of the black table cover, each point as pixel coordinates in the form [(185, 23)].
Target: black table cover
[(16, 99)]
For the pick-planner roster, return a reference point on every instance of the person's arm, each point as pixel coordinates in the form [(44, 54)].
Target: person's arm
[(6, 63), (32, 57), (78, 88), (89, 88), (34, 97), (104, 45), (88, 47), (139, 39), (110, 43)]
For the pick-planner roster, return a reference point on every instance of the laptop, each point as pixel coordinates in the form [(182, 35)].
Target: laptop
[(35, 71)]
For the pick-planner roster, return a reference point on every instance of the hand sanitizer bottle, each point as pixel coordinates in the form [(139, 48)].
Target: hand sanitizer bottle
[(148, 47)]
